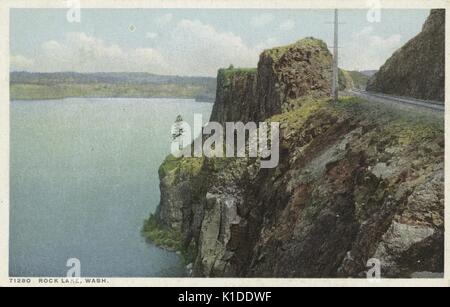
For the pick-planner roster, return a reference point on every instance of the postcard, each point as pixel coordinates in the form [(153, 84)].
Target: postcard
[(215, 143)]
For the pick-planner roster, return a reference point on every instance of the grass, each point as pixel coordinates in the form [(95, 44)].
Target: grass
[(277, 53), (166, 238), (169, 164), (310, 105), (411, 132), (185, 165), (226, 74), (406, 127), (348, 101)]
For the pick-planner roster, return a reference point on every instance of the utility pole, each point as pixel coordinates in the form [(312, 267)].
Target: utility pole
[(335, 77)]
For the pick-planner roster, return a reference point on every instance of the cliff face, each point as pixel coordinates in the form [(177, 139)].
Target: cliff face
[(288, 73), (176, 191), (235, 98), (418, 68), (354, 182)]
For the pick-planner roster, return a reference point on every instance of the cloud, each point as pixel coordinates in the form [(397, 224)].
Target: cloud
[(190, 47), (164, 19), (83, 53), (261, 20), (198, 48), (390, 42), (20, 62), (364, 32), (268, 43), (151, 35), (368, 50), (287, 25)]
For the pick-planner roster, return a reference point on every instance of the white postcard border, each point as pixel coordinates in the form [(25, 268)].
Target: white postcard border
[(6, 5)]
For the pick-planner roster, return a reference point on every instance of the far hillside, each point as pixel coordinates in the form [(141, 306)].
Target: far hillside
[(369, 73), (35, 86), (360, 79), (350, 79)]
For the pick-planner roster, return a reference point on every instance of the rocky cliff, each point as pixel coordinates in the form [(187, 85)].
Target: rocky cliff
[(283, 75), (418, 68), (355, 181), (236, 94)]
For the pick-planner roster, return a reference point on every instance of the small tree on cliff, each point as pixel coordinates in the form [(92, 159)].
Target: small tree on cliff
[(178, 131)]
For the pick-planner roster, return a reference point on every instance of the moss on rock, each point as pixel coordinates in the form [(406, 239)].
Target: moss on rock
[(163, 237), (306, 43), (226, 75), (189, 166)]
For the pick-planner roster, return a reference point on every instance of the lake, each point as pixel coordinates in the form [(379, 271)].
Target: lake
[(83, 177)]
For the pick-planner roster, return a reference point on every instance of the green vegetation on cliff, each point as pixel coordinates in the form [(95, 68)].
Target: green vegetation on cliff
[(305, 44), (226, 75), (163, 237), (182, 165), (407, 128), (168, 239), (172, 172)]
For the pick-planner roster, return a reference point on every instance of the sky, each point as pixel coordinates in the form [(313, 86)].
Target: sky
[(196, 42)]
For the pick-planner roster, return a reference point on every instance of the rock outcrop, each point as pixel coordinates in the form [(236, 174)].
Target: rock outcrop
[(288, 73), (284, 74), (418, 68), (235, 98), (354, 182)]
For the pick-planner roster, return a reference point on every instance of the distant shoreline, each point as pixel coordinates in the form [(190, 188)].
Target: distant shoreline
[(47, 86), (108, 97)]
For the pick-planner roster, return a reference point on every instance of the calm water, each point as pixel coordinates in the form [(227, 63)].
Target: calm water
[(83, 178)]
